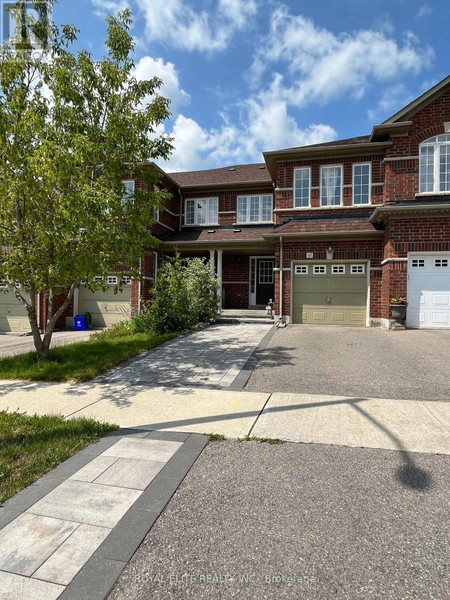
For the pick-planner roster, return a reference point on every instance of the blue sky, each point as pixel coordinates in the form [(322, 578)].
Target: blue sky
[(246, 76)]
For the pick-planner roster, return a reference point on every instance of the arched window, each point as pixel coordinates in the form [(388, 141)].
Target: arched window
[(434, 158)]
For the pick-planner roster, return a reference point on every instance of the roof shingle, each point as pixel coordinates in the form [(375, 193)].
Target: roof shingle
[(236, 174)]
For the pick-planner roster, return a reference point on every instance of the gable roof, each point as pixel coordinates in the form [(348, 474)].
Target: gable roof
[(255, 173), (419, 102)]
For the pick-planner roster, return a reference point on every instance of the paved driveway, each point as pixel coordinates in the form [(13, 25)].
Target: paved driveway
[(298, 521), (355, 362), (11, 345), (213, 356)]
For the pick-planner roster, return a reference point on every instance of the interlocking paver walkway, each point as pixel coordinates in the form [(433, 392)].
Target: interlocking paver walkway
[(44, 548), (213, 356)]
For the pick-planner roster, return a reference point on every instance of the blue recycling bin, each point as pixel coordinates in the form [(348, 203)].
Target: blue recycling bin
[(79, 323)]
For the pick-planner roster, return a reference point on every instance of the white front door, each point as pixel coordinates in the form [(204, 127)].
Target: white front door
[(428, 290)]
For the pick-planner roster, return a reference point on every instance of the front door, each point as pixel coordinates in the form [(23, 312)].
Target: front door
[(265, 287)]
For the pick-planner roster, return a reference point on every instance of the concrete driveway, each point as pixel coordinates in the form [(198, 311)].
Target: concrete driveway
[(355, 362), (10, 345)]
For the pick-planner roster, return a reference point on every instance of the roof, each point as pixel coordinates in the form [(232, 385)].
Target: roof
[(312, 225), (221, 234), (234, 174), (419, 102), (359, 139)]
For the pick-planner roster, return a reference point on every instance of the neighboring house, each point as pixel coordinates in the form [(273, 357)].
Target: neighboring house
[(331, 231)]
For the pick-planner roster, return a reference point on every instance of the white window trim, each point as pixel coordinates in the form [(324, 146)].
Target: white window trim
[(247, 222), (369, 164), (124, 181), (309, 188), (112, 277), (195, 223), (298, 269), (341, 200), (333, 272), (354, 269), (156, 215), (324, 272), (436, 158)]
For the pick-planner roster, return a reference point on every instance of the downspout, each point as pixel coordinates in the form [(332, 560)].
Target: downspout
[(181, 210), (139, 286), (281, 277)]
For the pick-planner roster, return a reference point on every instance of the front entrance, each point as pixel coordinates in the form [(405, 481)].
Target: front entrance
[(262, 282), (330, 293)]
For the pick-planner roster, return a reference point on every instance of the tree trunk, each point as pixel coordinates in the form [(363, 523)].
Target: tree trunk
[(43, 347)]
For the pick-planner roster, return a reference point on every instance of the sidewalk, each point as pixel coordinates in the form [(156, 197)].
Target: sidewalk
[(406, 425)]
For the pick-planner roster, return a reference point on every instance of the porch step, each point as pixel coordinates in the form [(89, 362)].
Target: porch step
[(244, 316)]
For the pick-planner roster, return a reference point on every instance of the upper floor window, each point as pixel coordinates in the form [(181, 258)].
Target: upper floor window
[(254, 209), (128, 189), (331, 185), (202, 211), (434, 161), (302, 187), (361, 183)]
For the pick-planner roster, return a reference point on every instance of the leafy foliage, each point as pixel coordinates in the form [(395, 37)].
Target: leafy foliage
[(185, 294), (71, 130)]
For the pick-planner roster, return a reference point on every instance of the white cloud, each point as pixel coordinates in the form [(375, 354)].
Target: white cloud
[(322, 65), (392, 99), (148, 67), (265, 124), (176, 23), (109, 7), (424, 11)]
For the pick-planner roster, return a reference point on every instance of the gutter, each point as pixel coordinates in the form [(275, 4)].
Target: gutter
[(386, 211), (281, 276)]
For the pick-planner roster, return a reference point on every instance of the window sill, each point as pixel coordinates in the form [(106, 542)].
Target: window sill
[(335, 206), (202, 225), (254, 223), (425, 194)]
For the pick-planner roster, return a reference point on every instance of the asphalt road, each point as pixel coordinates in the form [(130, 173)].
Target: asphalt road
[(355, 362), (299, 521)]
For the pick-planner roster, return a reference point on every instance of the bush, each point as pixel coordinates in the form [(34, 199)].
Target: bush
[(120, 329), (185, 294)]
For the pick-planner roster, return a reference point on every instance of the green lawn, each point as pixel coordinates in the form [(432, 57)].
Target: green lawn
[(32, 446), (81, 361)]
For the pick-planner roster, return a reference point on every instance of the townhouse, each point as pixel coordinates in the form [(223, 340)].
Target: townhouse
[(329, 232)]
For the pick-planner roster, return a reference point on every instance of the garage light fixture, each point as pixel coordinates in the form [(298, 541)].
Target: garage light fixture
[(330, 252)]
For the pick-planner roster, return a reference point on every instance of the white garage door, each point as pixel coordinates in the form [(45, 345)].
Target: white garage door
[(428, 290), (13, 314)]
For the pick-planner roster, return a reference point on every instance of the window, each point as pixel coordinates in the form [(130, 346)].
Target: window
[(301, 270), (128, 189), (266, 271), (254, 209), (331, 186), (156, 215), (361, 183), (126, 280), (418, 262), (319, 270), (357, 270), (302, 187), (111, 280), (434, 165), (3, 285), (441, 262), (98, 279), (338, 269), (202, 211), (155, 266)]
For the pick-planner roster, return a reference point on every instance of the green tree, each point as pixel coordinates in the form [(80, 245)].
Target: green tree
[(71, 130)]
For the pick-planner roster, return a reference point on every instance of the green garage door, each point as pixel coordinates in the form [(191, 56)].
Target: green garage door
[(13, 315), (330, 293), (107, 307)]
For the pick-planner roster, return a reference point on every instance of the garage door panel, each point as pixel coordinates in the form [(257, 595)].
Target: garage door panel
[(329, 299), (428, 291), (13, 314), (106, 307)]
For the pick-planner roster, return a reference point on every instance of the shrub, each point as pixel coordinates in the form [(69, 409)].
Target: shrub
[(184, 294), (120, 329)]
